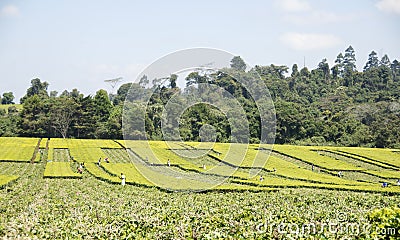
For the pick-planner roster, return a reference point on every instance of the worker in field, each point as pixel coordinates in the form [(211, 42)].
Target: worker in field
[(99, 162), (398, 182), (169, 163), (340, 174), (122, 179), (261, 178), (80, 169)]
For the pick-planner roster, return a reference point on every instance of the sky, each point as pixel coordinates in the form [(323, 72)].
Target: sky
[(79, 44)]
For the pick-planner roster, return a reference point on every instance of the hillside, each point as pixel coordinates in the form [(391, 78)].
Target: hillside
[(327, 105)]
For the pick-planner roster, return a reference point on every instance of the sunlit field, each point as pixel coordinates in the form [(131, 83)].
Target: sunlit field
[(44, 196)]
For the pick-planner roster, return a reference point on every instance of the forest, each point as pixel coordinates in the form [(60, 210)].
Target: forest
[(327, 105)]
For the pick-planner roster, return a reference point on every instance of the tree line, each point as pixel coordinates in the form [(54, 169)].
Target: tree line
[(327, 105)]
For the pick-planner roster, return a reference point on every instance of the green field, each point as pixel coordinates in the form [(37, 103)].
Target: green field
[(151, 205), (17, 149), (6, 106)]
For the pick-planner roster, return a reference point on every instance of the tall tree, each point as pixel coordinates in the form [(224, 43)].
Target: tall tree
[(238, 63), (122, 93), (395, 67), (172, 80), (295, 70), (324, 67), (37, 88), (349, 66), (144, 81), (33, 117), (385, 61), (349, 60), (103, 105), (340, 64), (62, 112), (372, 61)]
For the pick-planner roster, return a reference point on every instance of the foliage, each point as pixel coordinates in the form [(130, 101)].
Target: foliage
[(17, 149), (385, 223), (59, 170), (83, 208), (8, 98), (325, 105), (7, 179)]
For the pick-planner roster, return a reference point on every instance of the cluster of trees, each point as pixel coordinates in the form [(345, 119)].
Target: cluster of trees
[(8, 98), (336, 105)]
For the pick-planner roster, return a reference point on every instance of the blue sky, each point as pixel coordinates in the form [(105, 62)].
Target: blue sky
[(78, 44)]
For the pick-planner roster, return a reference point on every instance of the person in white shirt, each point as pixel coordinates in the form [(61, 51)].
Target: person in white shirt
[(122, 179)]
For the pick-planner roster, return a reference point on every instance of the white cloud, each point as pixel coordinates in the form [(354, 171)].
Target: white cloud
[(309, 41), (294, 5), (10, 11), (391, 6)]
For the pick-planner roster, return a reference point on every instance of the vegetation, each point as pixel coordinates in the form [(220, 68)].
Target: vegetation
[(35, 203), (36, 207), (6, 179), (17, 149), (327, 105), (59, 170), (252, 191)]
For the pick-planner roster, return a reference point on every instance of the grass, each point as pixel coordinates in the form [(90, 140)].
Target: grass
[(386, 156), (83, 143), (6, 106), (61, 155), (60, 170), (229, 164), (133, 176), (17, 149), (6, 179), (309, 155)]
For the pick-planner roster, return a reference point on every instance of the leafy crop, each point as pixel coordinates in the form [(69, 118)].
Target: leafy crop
[(17, 149), (59, 169)]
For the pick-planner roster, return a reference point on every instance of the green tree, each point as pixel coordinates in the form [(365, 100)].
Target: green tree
[(37, 88), (34, 121), (237, 63), (349, 66), (144, 81), (122, 93), (339, 65), (295, 70), (349, 60), (8, 98), (372, 61), (385, 61), (53, 94), (195, 78), (114, 123), (324, 67), (62, 114), (172, 80), (103, 108), (395, 67)]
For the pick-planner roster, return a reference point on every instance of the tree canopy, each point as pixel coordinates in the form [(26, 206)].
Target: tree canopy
[(335, 105)]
